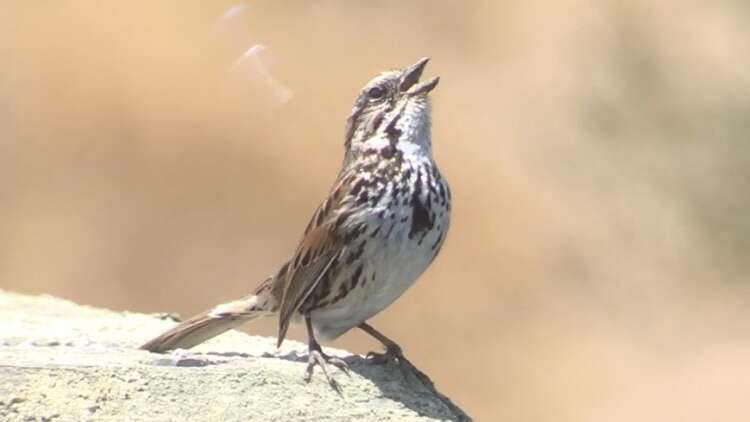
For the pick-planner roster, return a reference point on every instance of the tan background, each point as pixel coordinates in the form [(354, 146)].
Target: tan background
[(598, 152)]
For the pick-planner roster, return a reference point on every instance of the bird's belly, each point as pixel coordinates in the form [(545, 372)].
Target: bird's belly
[(390, 266)]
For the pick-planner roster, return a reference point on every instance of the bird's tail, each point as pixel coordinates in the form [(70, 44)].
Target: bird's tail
[(218, 320)]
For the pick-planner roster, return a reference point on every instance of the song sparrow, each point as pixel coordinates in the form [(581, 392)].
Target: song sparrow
[(380, 227)]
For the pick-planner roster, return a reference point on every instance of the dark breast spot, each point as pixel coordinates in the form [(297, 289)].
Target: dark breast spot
[(421, 221)]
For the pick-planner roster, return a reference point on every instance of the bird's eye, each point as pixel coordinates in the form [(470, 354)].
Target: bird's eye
[(375, 92)]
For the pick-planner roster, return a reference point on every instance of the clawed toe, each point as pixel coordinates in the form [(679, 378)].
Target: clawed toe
[(339, 363), (318, 358), (392, 354)]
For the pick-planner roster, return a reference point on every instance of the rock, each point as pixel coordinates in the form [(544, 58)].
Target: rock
[(60, 361)]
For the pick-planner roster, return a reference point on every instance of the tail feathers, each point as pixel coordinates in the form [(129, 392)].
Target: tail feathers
[(207, 325)]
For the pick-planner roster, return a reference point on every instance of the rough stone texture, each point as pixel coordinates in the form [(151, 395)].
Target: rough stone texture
[(60, 361)]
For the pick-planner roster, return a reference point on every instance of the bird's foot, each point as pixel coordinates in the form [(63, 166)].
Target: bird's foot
[(393, 353), (318, 358)]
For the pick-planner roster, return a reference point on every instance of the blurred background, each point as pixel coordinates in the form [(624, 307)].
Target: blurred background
[(165, 156)]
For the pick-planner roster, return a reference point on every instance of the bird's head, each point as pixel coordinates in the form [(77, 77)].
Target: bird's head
[(393, 108)]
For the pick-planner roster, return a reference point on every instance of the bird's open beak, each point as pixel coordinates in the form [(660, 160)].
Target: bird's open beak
[(410, 79)]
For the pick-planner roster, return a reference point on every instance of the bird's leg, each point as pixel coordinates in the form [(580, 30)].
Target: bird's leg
[(317, 357), (393, 353)]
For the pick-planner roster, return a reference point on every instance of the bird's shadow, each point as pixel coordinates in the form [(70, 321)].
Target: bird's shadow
[(392, 379)]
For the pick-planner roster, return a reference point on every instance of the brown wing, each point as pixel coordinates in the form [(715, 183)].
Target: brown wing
[(318, 251)]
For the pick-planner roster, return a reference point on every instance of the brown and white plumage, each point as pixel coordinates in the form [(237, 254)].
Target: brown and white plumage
[(379, 228)]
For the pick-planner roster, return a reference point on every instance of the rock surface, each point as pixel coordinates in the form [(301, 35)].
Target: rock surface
[(60, 361)]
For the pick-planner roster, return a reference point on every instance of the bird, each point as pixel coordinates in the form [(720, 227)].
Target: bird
[(382, 224)]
